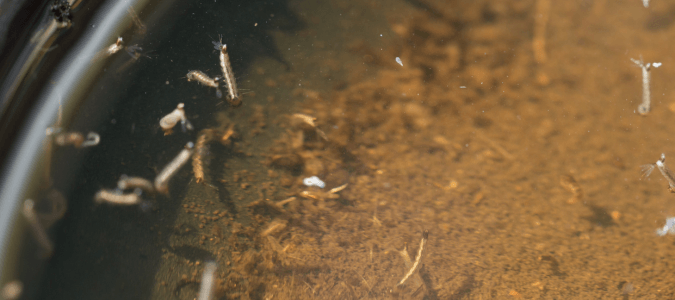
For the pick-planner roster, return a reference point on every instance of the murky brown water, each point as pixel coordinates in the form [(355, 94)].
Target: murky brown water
[(518, 149)]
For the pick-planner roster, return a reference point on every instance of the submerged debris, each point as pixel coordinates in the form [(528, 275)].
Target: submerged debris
[(418, 259)]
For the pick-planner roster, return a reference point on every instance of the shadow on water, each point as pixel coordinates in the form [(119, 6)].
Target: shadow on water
[(107, 252)]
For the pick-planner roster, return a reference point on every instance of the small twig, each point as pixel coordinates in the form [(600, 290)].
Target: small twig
[(418, 259)]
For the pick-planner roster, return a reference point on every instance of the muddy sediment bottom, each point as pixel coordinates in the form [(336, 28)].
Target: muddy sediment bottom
[(508, 131)]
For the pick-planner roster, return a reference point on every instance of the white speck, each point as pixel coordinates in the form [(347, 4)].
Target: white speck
[(462, 87), (314, 181), (656, 64), (380, 34), (645, 3), (398, 60)]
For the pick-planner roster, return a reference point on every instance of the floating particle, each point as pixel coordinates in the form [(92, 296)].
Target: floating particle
[(314, 181), (398, 60)]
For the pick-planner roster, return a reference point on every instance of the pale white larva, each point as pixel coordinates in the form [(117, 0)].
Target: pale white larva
[(228, 75), (204, 79), (162, 180), (114, 197)]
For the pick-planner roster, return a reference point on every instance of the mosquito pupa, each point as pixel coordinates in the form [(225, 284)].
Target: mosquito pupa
[(416, 264), (169, 121), (39, 231), (208, 281), (645, 106), (117, 46), (204, 79), (128, 182), (228, 75), (114, 197), (112, 49), (162, 180), (55, 208)]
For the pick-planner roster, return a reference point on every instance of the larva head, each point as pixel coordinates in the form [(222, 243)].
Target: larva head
[(190, 75)]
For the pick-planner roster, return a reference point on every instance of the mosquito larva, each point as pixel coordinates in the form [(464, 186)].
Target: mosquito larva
[(162, 180), (127, 182), (114, 197), (645, 106), (208, 281), (205, 136), (228, 75), (204, 79), (74, 138), (416, 264), (38, 230), (69, 138), (169, 121), (58, 206)]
